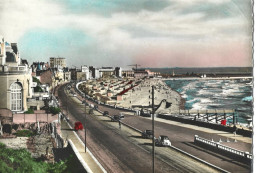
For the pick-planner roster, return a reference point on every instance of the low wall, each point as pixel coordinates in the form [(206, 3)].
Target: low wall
[(243, 132), (225, 150), (32, 118), (68, 153)]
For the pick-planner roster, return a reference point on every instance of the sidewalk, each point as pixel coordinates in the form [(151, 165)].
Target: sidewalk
[(68, 133)]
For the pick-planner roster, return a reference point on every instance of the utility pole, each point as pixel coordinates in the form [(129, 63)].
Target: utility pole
[(67, 106), (153, 124), (85, 125)]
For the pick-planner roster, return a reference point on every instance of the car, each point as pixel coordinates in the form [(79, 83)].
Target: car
[(74, 95), (121, 116), (96, 107), (115, 118), (105, 113), (78, 126), (163, 141), (147, 134)]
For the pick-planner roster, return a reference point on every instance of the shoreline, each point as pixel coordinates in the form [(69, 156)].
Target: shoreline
[(207, 78)]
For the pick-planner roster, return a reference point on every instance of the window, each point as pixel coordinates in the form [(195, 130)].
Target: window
[(16, 97)]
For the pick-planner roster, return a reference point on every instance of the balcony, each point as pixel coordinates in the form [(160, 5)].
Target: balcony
[(14, 69)]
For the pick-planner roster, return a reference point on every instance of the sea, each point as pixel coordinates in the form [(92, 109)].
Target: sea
[(201, 94)]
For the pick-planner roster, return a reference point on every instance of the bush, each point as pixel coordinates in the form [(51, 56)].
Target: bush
[(29, 111), (21, 161), (24, 133), (54, 110), (38, 89)]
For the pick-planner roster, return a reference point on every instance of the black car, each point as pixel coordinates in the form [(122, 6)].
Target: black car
[(115, 118), (105, 113), (96, 107), (147, 134)]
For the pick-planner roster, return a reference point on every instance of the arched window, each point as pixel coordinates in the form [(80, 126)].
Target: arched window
[(16, 97)]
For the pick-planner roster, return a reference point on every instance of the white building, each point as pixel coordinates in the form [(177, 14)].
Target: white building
[(85, 69), (15, 78)]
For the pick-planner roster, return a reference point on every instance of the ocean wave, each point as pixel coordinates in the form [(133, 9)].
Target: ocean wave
[(215, 94)]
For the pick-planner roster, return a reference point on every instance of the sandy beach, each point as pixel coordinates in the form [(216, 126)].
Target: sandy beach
[(138, 93), (141, 96)]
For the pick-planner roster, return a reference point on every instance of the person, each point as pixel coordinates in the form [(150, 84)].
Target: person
[(119, 123), (234, 130)]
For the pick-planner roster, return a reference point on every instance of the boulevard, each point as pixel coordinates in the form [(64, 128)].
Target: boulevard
[(107, 142)]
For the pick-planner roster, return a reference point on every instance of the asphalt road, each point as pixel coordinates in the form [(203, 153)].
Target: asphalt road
[(125, 156), (104, 142)]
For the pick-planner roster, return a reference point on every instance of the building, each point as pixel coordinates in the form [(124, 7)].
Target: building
[(128, 73), (85, 69), (15, 78), (57, 62), (106, 72), (118, 72), (94, 72)]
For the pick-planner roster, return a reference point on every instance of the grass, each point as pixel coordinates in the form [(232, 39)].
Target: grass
[(24, 133)]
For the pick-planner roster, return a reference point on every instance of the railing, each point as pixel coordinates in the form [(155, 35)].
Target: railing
[(219, 147)]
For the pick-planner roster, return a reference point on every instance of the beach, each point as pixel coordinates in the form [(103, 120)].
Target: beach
[(139, 95)]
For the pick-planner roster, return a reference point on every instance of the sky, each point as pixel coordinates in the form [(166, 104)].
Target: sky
[(151, 33)]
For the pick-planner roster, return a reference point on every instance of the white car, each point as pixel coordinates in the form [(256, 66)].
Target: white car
[(163, 141)]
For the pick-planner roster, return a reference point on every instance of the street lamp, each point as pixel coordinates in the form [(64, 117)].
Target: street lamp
[(85, 124), (168, 104)]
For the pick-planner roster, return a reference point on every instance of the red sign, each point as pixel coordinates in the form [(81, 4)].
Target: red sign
[(223, 122)]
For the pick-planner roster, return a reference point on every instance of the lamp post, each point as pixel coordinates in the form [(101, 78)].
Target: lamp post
[(153, 112), (85, 125)]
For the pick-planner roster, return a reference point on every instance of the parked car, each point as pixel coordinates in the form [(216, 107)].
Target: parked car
[(148, 134), (78, 126), (122, 116), (163, 141), (96, 107), (105, 113), (115, 118)]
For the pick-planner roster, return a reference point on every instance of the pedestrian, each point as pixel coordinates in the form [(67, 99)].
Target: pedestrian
[(119, 123), (235, 130)]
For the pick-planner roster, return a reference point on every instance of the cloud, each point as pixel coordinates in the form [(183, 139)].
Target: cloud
[(124, 32)]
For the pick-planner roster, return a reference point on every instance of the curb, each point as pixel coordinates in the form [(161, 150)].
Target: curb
[(131, 127)]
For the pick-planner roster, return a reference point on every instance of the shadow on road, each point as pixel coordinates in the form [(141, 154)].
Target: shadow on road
[(106, 120), (133, 136), (68, 129), (146, 143)]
